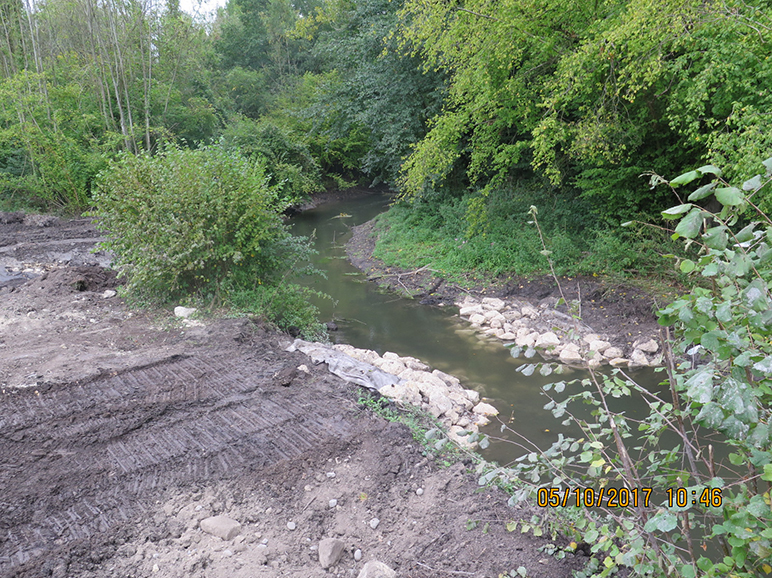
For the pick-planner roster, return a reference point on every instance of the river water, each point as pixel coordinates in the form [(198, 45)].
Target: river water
[(370, 318)]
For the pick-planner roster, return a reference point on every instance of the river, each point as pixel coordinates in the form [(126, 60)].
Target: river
[(370, 318)]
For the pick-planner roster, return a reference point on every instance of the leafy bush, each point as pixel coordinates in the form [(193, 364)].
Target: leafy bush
[(704, 517), (293, 170), (287, 306), (186, 221)]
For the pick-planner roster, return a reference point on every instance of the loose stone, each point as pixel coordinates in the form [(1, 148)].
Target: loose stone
[(357, 554), (613, 353), (485, 409), (330, 551), (221, 526), (333, 503), (376, 569), (374, 523), (419, 492), (291, 525)]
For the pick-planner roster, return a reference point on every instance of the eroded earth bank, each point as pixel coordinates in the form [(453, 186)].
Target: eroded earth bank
[(122, 430)]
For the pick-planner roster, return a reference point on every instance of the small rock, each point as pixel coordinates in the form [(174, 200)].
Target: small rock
[(493, 302), (330, 551), (156, 568), (333, 503), (374, 523), (184, 312), (330, 475), (649, 346), (546, 340), (419, 492), (477, 319), (590, 337), (357, 554), (221, 526), (471, 310), (474, 396), (619, 362), (613, 353), (570, 356), (639, 359), (331, 326), (485, 409), (599, 346), (308, 488), (109, 293), (303, 368), (291, 525), (376, 569)]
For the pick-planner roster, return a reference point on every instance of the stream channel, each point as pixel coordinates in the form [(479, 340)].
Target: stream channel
[(370, 318)]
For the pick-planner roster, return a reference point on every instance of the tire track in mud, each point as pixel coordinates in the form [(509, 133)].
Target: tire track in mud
[(83, 458)]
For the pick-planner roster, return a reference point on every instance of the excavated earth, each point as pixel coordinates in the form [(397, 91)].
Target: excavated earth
[(121, 429)]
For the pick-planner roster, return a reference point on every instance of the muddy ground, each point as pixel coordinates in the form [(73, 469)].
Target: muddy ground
[(621, 312), (121, 429)]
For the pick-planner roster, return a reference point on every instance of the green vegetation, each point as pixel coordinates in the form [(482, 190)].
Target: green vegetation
[(704, 517), (436, 233), (203, 224)]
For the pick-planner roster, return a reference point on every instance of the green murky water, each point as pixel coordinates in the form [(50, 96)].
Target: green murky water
[(373, 319)]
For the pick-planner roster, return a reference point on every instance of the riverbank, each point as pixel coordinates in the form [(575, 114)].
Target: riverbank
[(123, 430), (618, 316)]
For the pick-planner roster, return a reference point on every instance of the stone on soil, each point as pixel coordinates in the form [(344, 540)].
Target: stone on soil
[(376, 569), (221, 526), (184, 312), (649, 346), (330, 551)]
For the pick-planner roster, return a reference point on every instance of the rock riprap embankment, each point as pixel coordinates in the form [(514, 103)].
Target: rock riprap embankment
[(554, 335), (406, 380)]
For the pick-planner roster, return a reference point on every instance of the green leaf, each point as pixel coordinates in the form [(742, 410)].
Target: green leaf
[(716, 238), (663, 521), (690, 225), (511, 526), (767, 475), (764, 366), (752, 184), (685, 178), (702, 192), (687, 266), (710, 170), (710, 416), (768, 165), (687, 571), (746, 234), (675, 212), (699, 387), (729, 196)]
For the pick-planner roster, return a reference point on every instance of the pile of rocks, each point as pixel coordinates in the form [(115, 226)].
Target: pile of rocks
[(434, 391), (408, 381), (555, 335)]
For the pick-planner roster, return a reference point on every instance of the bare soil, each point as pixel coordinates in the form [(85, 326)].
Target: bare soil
[(121, 429), (622, 312)]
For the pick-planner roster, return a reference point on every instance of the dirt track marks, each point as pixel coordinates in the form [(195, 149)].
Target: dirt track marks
[(82, 458)]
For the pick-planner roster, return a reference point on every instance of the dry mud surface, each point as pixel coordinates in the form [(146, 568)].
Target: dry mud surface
[(121, 430)]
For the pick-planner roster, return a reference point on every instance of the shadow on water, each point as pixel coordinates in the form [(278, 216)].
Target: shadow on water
[(373, 319)]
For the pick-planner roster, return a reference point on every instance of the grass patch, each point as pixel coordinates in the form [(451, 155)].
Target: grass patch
[(492, 236)]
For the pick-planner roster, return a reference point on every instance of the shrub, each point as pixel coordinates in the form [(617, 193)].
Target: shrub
[(186, 222)]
